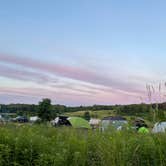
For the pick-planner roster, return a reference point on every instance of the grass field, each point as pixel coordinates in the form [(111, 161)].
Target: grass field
[(105, 113), (47, 146), (99, 114)]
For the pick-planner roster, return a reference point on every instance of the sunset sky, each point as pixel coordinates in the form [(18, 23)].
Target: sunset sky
[(81, 52)]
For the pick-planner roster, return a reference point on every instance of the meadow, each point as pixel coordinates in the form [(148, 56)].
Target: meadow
[(41, 145), (105, 113), (94, 114)]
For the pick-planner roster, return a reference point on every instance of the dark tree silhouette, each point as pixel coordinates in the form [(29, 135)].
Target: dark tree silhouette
[(44, 111), (87, 115)]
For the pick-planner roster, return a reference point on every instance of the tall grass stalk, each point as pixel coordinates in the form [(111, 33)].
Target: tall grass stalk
[(45, 146)]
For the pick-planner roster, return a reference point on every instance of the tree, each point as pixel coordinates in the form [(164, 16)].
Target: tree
[(44, 111), (87, 115)]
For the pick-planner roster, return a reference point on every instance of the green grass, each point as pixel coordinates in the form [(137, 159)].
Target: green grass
[(99, 114), (47, 146), (105, 113)]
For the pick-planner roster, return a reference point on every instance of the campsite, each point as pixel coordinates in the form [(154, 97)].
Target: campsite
[(83, 138), (82, 83)]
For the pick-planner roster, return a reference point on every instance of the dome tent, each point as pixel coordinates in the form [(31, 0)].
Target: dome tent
[(159, 127), (20, 119), (117, 122), (139, 122), (94, 123), (61, 121), (143, 130), (33, 119), (75, 122)]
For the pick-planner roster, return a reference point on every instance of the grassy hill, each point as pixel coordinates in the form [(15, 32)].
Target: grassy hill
[(95, 114)]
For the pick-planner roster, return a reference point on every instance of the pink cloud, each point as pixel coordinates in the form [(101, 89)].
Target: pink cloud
[(39, 93), (42, 79), (24, 75), (71, 72), (24, 94)]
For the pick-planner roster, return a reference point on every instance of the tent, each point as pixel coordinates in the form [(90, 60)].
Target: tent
[(20, 119), (116, 122), (55, 121), (75, 122), (143, 130), (34, 119), (2, 119), (61, 121), (94, 123), (159, 127), (139, 122)]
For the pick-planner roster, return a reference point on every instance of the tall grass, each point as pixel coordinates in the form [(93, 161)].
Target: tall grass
[(45, 146)]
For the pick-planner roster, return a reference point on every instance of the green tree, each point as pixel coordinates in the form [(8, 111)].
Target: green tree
[(44, 111), (87, 116)]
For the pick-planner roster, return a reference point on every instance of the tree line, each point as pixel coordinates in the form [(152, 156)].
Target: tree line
[(31, 109)]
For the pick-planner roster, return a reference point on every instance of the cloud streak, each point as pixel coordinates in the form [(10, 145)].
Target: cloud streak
[(23, 95), (24, 75), (70, 72)]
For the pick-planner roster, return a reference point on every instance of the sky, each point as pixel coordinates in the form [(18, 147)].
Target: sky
[(81, 52)]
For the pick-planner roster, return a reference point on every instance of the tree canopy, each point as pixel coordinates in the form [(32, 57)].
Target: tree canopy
[(44, 111)]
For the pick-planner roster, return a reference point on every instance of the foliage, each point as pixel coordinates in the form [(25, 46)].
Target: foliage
[(145, 111), (45, 110), (46, 146), (87, 116)]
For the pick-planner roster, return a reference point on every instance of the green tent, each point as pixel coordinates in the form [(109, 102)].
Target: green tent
[(77, 122), (143, 130)]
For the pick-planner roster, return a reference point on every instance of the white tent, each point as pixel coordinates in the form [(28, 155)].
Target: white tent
[(1, 119), (34, 118), (159, 127), (55, 121), (94, 121)]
